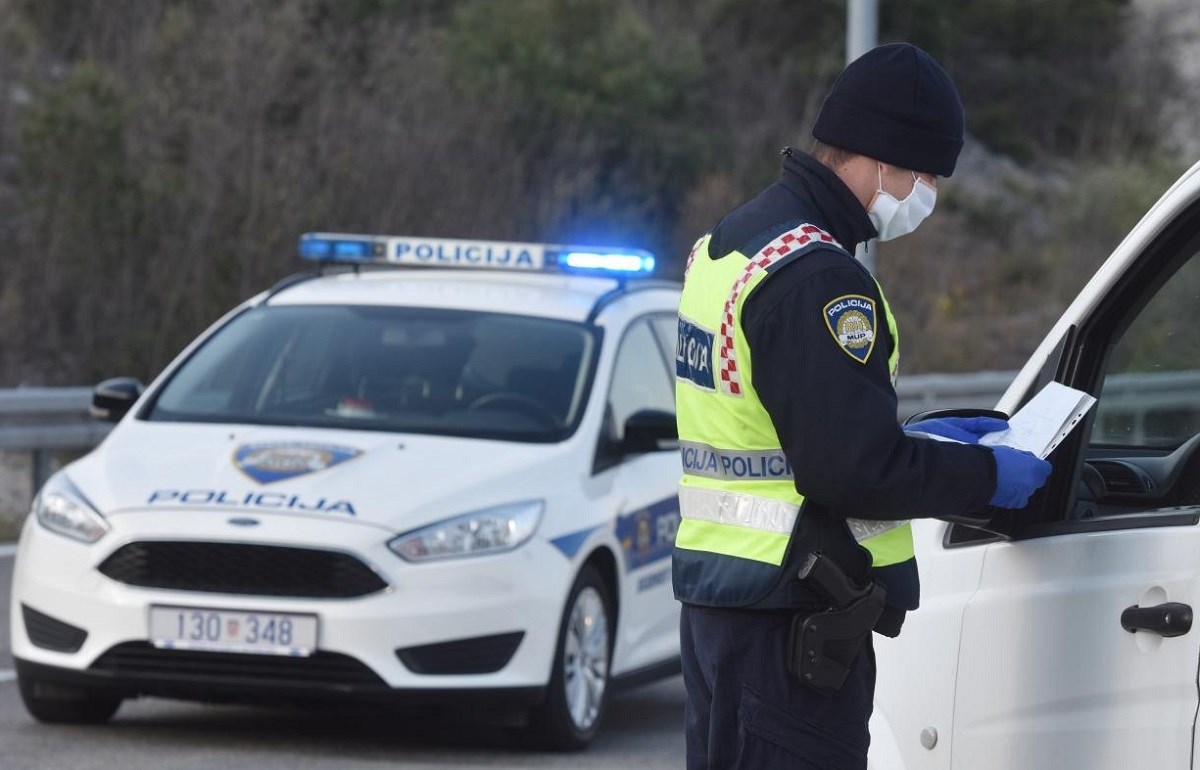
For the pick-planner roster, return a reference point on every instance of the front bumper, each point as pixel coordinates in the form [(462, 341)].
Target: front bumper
[(454, 610), (190, 677)]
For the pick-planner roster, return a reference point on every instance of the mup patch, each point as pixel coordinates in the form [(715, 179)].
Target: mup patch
[(851, 319), (270, 462)]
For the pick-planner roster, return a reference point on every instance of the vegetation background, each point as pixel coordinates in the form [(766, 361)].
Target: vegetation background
[(159, 158)]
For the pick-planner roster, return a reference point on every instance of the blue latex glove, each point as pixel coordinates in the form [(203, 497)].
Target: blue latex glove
[(968, 430), (1018, 475)]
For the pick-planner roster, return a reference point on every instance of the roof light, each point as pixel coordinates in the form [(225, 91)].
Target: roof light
[(444, 252), (613, 262), (339, 248)]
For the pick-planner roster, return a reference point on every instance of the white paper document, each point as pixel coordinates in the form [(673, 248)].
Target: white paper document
[(1043, 423)]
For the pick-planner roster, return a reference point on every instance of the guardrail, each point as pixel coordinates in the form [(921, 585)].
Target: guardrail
[(1137, 408), (44, 420), (921, 392)]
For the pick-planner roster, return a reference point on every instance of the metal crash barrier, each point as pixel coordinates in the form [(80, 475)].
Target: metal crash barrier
[(42, 421), (1134, 409)]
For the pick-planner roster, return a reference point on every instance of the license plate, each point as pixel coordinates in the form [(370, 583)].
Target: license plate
[(204, 628)]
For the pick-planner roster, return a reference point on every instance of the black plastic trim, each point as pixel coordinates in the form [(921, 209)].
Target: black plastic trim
[(959, 528), (624, 288), (1116, 523), (1187, 517), (251, 569), (289, 282), (646, 675), (200, 687), (50, 633), (477, 655)]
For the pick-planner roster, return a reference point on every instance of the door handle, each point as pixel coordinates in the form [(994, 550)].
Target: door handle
[(1170, 619)]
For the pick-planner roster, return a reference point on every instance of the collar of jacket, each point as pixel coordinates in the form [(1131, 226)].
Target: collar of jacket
[(815, 183)]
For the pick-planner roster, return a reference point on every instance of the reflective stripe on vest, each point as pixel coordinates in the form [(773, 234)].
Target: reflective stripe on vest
[(700, 459), (738, 501), (728, 510)]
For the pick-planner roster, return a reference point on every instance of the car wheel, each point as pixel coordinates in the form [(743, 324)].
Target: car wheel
[(570, 717), (57, 703)]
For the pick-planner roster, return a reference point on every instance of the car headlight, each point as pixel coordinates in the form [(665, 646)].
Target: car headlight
[(493, 530), (62, 508)]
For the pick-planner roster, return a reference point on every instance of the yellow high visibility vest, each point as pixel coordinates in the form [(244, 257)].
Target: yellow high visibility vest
[(737, 498)]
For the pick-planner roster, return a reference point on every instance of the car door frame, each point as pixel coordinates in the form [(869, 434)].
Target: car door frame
[(634, 579), (1080, 359)]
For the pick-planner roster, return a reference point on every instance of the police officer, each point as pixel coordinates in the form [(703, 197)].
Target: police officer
[(787, 422)]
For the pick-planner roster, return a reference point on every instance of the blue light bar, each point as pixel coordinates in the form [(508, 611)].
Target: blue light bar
[(633, 262), (339, 249), (411, 251)]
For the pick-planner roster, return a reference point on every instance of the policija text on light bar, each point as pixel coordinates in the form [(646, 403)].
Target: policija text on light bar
[(444, 252)]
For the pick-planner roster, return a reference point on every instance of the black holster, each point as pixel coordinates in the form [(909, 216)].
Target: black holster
[(822, 646)]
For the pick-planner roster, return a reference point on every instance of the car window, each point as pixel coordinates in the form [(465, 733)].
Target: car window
[(1151, 391), (640, 378), (1141, 456), (387, 368), (1135, 463), (666, 329)]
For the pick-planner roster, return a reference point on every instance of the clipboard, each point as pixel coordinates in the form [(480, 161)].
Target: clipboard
[(1042, 424)]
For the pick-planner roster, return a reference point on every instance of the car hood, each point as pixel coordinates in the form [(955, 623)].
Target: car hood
[(395, 481)]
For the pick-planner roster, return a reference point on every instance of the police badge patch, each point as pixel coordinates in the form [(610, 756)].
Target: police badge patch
[(851, 321), (279, 460)]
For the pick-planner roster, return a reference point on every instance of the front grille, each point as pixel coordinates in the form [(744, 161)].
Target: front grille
[(320, 671), (239, 568), (480, 655), (50, 633)]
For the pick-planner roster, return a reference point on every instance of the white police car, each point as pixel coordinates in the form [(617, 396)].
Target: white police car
[(1062, 636), (420, 485)]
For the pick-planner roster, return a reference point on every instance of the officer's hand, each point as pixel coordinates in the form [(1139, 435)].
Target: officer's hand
[(1018, 475), (968, 430)]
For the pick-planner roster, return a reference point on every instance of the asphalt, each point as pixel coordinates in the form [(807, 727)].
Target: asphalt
[(644, 728)]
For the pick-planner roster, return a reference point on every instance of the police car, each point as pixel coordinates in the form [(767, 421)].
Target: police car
[(1061, 636), (453, 484)]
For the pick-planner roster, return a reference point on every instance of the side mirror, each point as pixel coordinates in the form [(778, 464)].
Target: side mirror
[(931, 414), (994, 521), (650, 430), (112, 399)]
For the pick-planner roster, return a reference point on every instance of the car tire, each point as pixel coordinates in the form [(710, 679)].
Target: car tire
[(56, 703), (570, 716)]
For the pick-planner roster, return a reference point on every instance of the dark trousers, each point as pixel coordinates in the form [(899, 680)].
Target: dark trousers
[(744, 710)]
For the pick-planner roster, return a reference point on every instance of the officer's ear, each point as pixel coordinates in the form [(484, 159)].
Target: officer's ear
[(861, 174), (893, 173)]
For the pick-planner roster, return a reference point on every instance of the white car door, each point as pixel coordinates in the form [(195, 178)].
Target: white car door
[(642, 486), (1049, 676)]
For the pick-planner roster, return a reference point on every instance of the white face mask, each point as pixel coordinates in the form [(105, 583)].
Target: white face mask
[(893, 218)]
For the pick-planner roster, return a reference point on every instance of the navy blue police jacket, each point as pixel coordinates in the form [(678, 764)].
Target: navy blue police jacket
[(836, 416)]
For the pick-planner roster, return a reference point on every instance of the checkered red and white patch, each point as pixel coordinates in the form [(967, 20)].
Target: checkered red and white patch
[(787, 243), (692, 256)]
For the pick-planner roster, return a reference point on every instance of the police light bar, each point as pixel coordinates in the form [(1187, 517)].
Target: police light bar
[(444, 252)]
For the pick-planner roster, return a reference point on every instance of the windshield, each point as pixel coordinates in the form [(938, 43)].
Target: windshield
[(387, 368)]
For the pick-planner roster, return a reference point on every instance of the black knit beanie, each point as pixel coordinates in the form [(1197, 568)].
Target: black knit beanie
[(895, 104)]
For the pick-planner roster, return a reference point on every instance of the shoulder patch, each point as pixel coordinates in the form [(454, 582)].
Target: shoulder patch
[(694, 355), (851, 319)]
